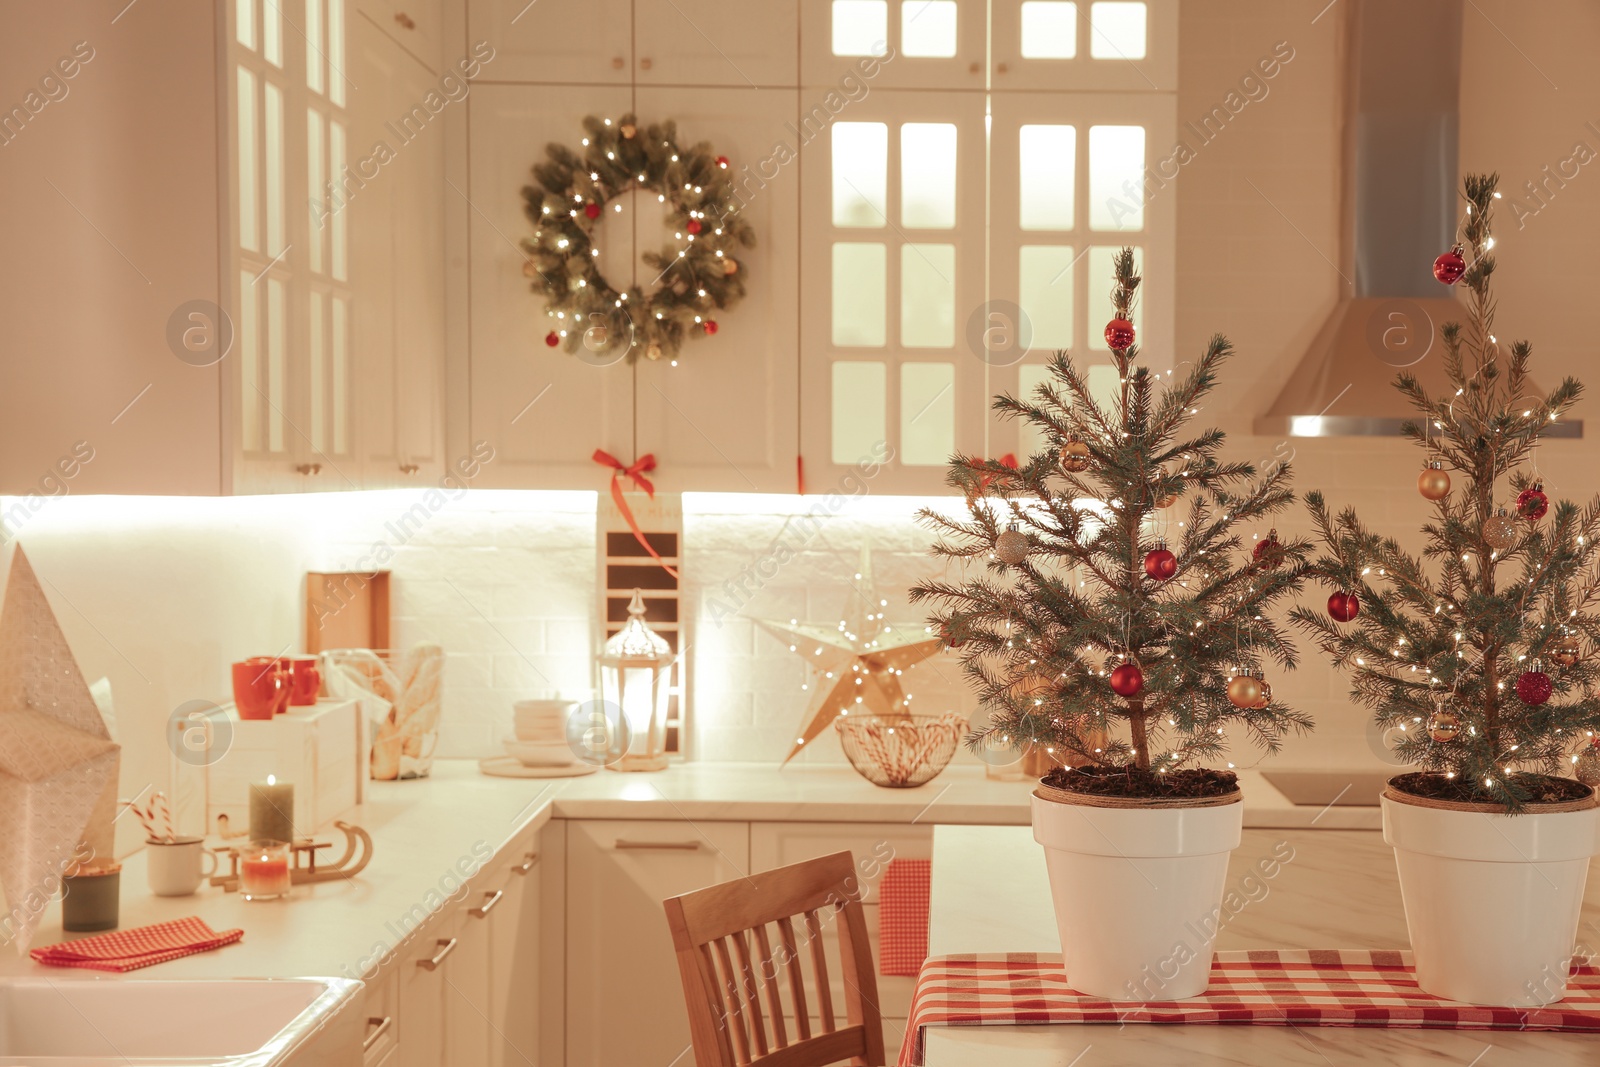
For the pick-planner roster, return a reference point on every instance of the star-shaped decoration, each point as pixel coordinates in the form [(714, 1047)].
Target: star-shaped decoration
[(859, 662), (58, 763)]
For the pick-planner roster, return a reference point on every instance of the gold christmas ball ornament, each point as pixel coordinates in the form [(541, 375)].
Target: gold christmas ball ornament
[(1433, 483), (1075, 456), (730, 266), (628, 130), (1244, 691), (1444, 726), (1011, 546), (1266, 697), (652, 351), (1587, 767), (530, 269), (1565, 650), (1499, 531)]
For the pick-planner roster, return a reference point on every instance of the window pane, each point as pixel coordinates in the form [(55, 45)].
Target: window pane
[(277, 369), (860, 403), (1048, 163), (1030, 439), (336, 51), (928, 28), (318, 372), (1049, 30), (1044, 274), (1116, 30), (1104, 385), (314, 60), (928, 175), (249, 236), (336, 167), (927, 296), (927, 413), (860, 27), (272, 32), (860, 173), (249, 364), (1116, 177), (321, 199), (341, 377), (859, 286), (244, 22), (272, 149), (1099, 265)]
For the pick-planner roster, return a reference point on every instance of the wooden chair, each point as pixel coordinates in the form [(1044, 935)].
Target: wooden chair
[(736, 1003)]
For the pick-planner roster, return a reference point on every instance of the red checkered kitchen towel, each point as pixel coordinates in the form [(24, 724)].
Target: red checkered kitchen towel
[(1320, 988), (903, 916), (143, 946)]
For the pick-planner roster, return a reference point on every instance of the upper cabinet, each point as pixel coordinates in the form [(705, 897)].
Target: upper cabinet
[(417, 26), (585, 42)]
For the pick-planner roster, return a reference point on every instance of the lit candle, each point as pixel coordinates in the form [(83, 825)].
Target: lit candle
[(272, 810), (264, 871)]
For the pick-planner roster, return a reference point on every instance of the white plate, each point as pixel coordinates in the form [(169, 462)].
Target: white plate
[(509, 767)]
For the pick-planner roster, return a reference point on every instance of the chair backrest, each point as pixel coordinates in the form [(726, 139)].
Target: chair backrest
[(734, 968)]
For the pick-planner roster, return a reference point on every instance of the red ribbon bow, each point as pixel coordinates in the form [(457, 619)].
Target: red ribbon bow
[(641, 466), (1007, 460)]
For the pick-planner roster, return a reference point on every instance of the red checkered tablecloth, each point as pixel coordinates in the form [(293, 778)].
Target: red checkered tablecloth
[(142, 946), (1320, 988), (903, 916)]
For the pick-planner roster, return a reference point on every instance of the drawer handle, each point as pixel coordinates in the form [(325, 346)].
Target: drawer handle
[(527, 864), (309, 468), (1000, 69), (489, 901), (376, 1028), (659, 846), (645, 64), (617, 63), (406, 21), (445, 948), (409, 468)]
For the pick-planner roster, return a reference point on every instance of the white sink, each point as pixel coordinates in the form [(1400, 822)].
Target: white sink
[(87, 1021)]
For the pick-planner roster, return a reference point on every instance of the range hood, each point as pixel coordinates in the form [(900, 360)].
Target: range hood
[(1399, 206)]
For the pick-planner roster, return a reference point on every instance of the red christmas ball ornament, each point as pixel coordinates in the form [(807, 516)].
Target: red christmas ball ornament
[(693, 225), (1119, 334), (1449, 267), (1532, 503), (1160, 563), (1269, 551), (592, 209), (722, 161), (709, 326), (1534, 686), (1127, 680), (552, 338), (1344, 606)]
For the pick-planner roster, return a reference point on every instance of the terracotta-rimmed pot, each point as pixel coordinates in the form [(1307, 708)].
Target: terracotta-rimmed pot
[(1491, 899), (1137, 887)]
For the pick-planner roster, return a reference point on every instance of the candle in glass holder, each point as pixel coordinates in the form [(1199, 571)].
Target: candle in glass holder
[(264, 871), (272, 810)]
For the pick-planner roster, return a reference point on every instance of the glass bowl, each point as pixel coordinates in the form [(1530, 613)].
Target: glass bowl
[(899, 751)]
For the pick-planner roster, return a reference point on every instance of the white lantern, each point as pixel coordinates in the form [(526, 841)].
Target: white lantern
[(635, 676)]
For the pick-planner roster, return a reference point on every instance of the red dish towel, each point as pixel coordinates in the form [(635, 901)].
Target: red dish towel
[(903, 916), (129, 950), (1322, 988)]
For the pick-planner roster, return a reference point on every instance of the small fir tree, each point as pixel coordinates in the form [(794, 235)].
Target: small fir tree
[(1472, 652), (1112, 625)]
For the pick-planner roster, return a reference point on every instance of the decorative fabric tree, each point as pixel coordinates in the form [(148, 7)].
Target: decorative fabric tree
[(1111, 628), (1472, 652)]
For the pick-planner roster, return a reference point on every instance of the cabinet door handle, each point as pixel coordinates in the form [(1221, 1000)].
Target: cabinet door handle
[(527, 864), (445, 948), (645, 64), (1000, 69), (409, 468), (376, 1028), (617, 63), (660, 846), (489, 901), (406, 21), (309, 468)]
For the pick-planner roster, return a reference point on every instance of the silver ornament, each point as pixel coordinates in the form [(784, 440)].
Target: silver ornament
[(1011, 546)]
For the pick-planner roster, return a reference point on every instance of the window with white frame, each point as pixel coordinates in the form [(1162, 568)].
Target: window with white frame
[(291, 290), (974, 187)]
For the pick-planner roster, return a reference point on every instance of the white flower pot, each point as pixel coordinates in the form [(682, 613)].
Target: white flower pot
[(1492, 900), (1137, 891)]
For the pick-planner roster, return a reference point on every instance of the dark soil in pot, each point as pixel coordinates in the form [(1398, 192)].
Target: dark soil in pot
[(1133, 782), (1541, 788)]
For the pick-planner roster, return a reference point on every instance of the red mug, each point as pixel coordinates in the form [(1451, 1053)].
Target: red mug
[(260, 687), (305, 682)]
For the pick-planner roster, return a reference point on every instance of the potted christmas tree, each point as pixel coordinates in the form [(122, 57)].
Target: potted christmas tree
[(1123, 627), (1472, 655)]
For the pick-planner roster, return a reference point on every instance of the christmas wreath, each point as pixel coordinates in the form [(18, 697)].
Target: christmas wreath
[(698, 277)]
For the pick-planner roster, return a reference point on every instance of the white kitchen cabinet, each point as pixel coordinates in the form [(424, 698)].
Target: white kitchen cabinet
[(624, 999), (516, 962), (874, 846), (543, 410), (587, 42), (684, 414), (415, 25), (716, 42), (423, 971), (396, 232), (381, 1002)]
